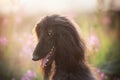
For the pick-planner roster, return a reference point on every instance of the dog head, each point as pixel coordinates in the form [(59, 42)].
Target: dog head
[(57, 40)]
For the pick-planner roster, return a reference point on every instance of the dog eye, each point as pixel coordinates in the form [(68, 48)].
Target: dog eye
[(50, 32)]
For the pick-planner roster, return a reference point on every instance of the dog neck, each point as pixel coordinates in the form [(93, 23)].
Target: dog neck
[(58, 72)]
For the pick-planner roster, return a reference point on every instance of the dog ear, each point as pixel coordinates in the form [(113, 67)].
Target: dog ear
[(44, 45), (69, 46)]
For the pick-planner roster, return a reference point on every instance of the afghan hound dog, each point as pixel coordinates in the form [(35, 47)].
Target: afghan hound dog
[(61, 50)]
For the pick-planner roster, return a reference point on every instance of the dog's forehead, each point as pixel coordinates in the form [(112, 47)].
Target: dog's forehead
[(41, 27), (49, 24)]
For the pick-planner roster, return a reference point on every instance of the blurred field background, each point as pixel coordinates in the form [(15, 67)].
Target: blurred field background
[(99, 21)]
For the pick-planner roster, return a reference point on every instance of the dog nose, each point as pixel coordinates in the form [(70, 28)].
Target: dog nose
[(35, 58)]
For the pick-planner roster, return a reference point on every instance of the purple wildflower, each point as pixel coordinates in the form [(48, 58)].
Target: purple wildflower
[(94, 42), (103, 76), (3, 41), (30, 75)]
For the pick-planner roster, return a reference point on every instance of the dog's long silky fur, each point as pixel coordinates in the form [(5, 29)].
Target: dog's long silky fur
[(68, 59)]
